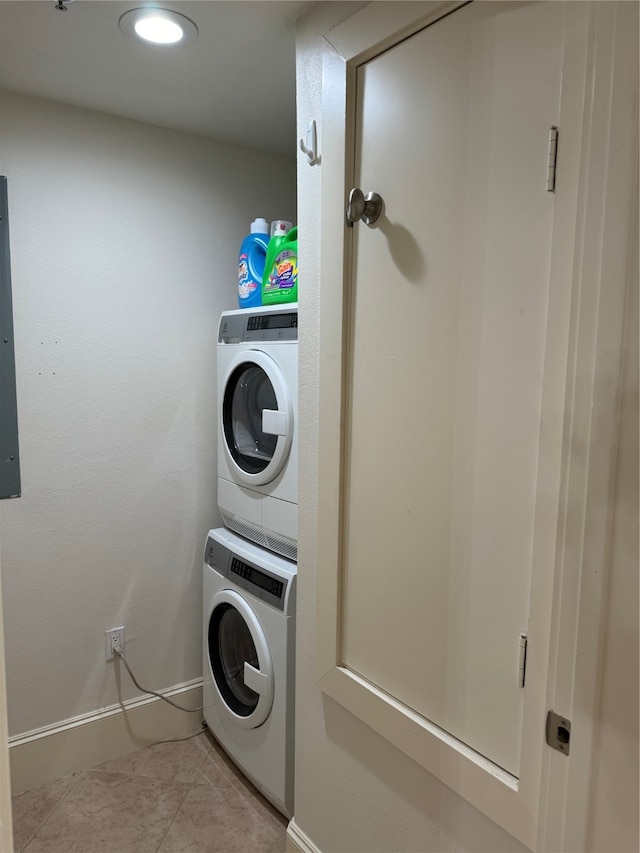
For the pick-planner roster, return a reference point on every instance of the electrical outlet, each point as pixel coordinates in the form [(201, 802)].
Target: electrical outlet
[(114, 641)]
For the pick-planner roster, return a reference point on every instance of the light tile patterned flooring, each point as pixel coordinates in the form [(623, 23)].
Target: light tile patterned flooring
[(181, 797)]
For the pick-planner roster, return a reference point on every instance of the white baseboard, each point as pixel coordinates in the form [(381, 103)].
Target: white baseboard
[(297, 841), (76, 744)]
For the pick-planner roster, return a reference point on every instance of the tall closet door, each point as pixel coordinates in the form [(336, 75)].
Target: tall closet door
[(446, 341)]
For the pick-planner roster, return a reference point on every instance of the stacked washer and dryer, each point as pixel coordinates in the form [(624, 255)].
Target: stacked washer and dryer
[(250, 565)]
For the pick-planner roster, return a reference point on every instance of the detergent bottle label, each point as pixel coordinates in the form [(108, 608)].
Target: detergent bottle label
[(246, 285), (284, 272)]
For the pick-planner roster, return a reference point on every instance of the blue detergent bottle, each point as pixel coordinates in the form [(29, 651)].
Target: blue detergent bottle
[(251, 261)]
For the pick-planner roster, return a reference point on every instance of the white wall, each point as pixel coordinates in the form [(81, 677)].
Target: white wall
[(124, 241)]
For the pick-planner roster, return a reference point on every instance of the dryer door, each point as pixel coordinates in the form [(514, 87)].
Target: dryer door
[(240, 660), (256, 418)]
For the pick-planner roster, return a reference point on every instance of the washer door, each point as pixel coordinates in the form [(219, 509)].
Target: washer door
[(240, 660), (256, 417)]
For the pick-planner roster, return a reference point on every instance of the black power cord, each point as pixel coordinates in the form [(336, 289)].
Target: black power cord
[(153, 692)]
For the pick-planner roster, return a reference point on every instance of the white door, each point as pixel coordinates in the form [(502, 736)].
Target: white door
[(469, 354), (448, 318)]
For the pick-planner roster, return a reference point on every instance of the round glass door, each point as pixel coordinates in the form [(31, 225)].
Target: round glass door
[(256, 417), (249, 391), (239, 659)]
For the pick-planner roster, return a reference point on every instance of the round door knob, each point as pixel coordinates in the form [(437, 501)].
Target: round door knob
[(368, 208)]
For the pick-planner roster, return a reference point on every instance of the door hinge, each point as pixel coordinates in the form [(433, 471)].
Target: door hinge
[(552, 156), (558, 732), (522, 660)]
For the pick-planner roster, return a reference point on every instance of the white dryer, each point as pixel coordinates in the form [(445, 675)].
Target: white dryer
[(249, 660), (257, 415)]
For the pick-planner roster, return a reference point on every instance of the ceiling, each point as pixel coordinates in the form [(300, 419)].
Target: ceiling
[(235, 83)]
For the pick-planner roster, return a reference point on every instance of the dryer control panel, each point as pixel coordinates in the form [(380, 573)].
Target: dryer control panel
[(247, 327)]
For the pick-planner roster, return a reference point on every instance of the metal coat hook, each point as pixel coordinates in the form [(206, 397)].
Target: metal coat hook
[(310, 147)]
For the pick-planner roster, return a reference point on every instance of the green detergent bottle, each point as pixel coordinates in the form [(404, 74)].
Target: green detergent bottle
[(280, 282)]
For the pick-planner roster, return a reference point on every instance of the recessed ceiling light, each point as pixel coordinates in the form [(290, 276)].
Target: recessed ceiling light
[(158, 26)]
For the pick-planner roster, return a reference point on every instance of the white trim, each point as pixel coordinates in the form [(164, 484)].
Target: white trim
[(109, 711), (48, 753), (442, 743), (381, 25), (298, 841), (488, 787), (6, 822)]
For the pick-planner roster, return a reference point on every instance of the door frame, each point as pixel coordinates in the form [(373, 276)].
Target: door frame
[(545, 807), (6, 818)]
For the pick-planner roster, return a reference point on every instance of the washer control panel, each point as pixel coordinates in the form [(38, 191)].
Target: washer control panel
[(262, 583), (257, 577)]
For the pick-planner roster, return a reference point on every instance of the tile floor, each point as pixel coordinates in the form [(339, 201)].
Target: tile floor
[(182, 797)]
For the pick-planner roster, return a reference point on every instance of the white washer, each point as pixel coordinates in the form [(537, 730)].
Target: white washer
[(257, 414), (249, 660)]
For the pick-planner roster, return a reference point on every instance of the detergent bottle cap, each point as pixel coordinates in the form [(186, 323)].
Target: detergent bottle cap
[(280, 227), (260, 226)]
